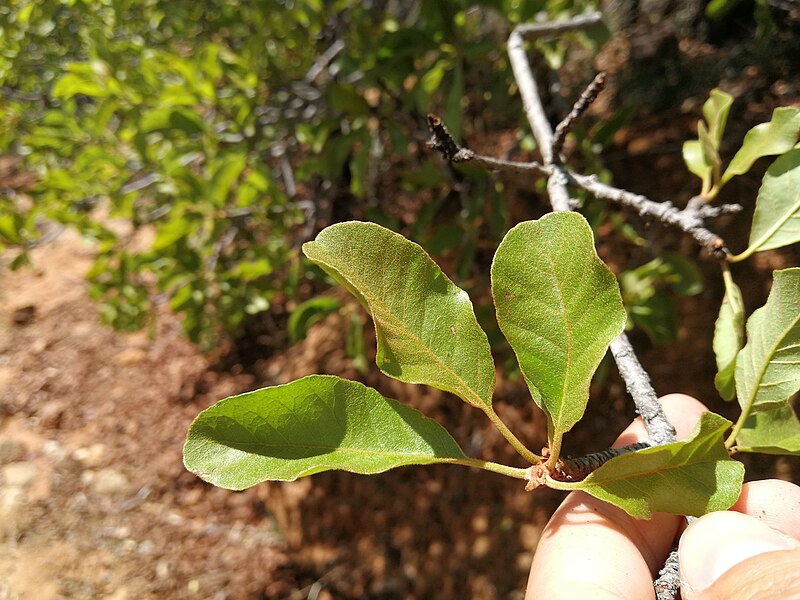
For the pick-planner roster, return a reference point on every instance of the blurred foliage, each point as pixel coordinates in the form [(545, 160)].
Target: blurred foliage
[(648, 293), (198, 144)]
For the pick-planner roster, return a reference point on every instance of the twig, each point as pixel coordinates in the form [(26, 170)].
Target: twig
[(588, 96), (442, 141), (531, 101), (668, 582), (324, 60), (534, 31), (636, 379), (689, 220), (579, 468)]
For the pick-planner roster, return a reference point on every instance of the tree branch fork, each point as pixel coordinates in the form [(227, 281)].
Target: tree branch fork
[(690, 220)]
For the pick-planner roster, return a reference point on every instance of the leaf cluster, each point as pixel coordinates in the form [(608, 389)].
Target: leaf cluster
[(559, 307), (757, 358)]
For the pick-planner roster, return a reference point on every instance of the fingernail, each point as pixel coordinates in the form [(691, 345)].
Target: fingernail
[(716, 542)]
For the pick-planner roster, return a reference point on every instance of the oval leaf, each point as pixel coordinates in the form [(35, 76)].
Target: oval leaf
[(775, 431), (776, 221), (314, 424), (559, 306), (426, 327), (728, 340), (768, 367), (777, 136), (692, 477)]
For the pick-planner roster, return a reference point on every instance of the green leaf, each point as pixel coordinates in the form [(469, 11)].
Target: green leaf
[(774, 431), (81, 82), (308, 313), (426, 327), (347, 100), (453, 113), (716, 9), (715, 112), (225, 174), (250, 270), (165, 119), (776, 136), (354, 343), (691, 477), (314, 424), (559, 306), (697, 162), (728, 340), (768, 367), (776, 221), (702, 155), (657, 316)]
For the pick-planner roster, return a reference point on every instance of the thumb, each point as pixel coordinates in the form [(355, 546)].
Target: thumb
[(730, 556)]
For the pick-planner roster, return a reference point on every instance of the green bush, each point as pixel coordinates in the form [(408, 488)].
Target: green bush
[(200, 144)]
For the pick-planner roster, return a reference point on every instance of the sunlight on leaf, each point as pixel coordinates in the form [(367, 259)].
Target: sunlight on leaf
[(314, 424), (728, 340), (776, 221), (776, 136), (774, 431), (691, 477), (768, 367), (426, 327), (702, 155), (559, 306)]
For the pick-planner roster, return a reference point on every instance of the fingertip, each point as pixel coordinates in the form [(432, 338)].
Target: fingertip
[(587, 546), (717, 542), (774, 502)]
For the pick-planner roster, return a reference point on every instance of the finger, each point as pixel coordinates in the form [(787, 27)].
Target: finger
[(724, 544), (764, 577), (774, 502), (591, 549)]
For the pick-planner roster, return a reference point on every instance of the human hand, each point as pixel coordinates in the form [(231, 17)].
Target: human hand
[(590, 549)]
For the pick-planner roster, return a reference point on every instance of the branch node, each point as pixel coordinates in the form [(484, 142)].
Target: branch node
[(441, 140), (575, 469)]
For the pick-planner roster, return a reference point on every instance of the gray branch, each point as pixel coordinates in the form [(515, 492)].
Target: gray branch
[(636, 379), (659, 429), (668, 583), (690, 220)]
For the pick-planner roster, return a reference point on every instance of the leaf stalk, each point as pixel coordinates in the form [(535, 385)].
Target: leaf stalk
[(521, 449), (486, 465)]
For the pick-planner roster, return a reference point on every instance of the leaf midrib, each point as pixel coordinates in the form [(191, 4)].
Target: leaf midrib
[(762, 371), (658, 471), (568, 330), (234, 443), (771, 231)]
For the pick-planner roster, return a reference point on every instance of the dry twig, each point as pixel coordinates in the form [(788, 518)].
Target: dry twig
[(588, 96)]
